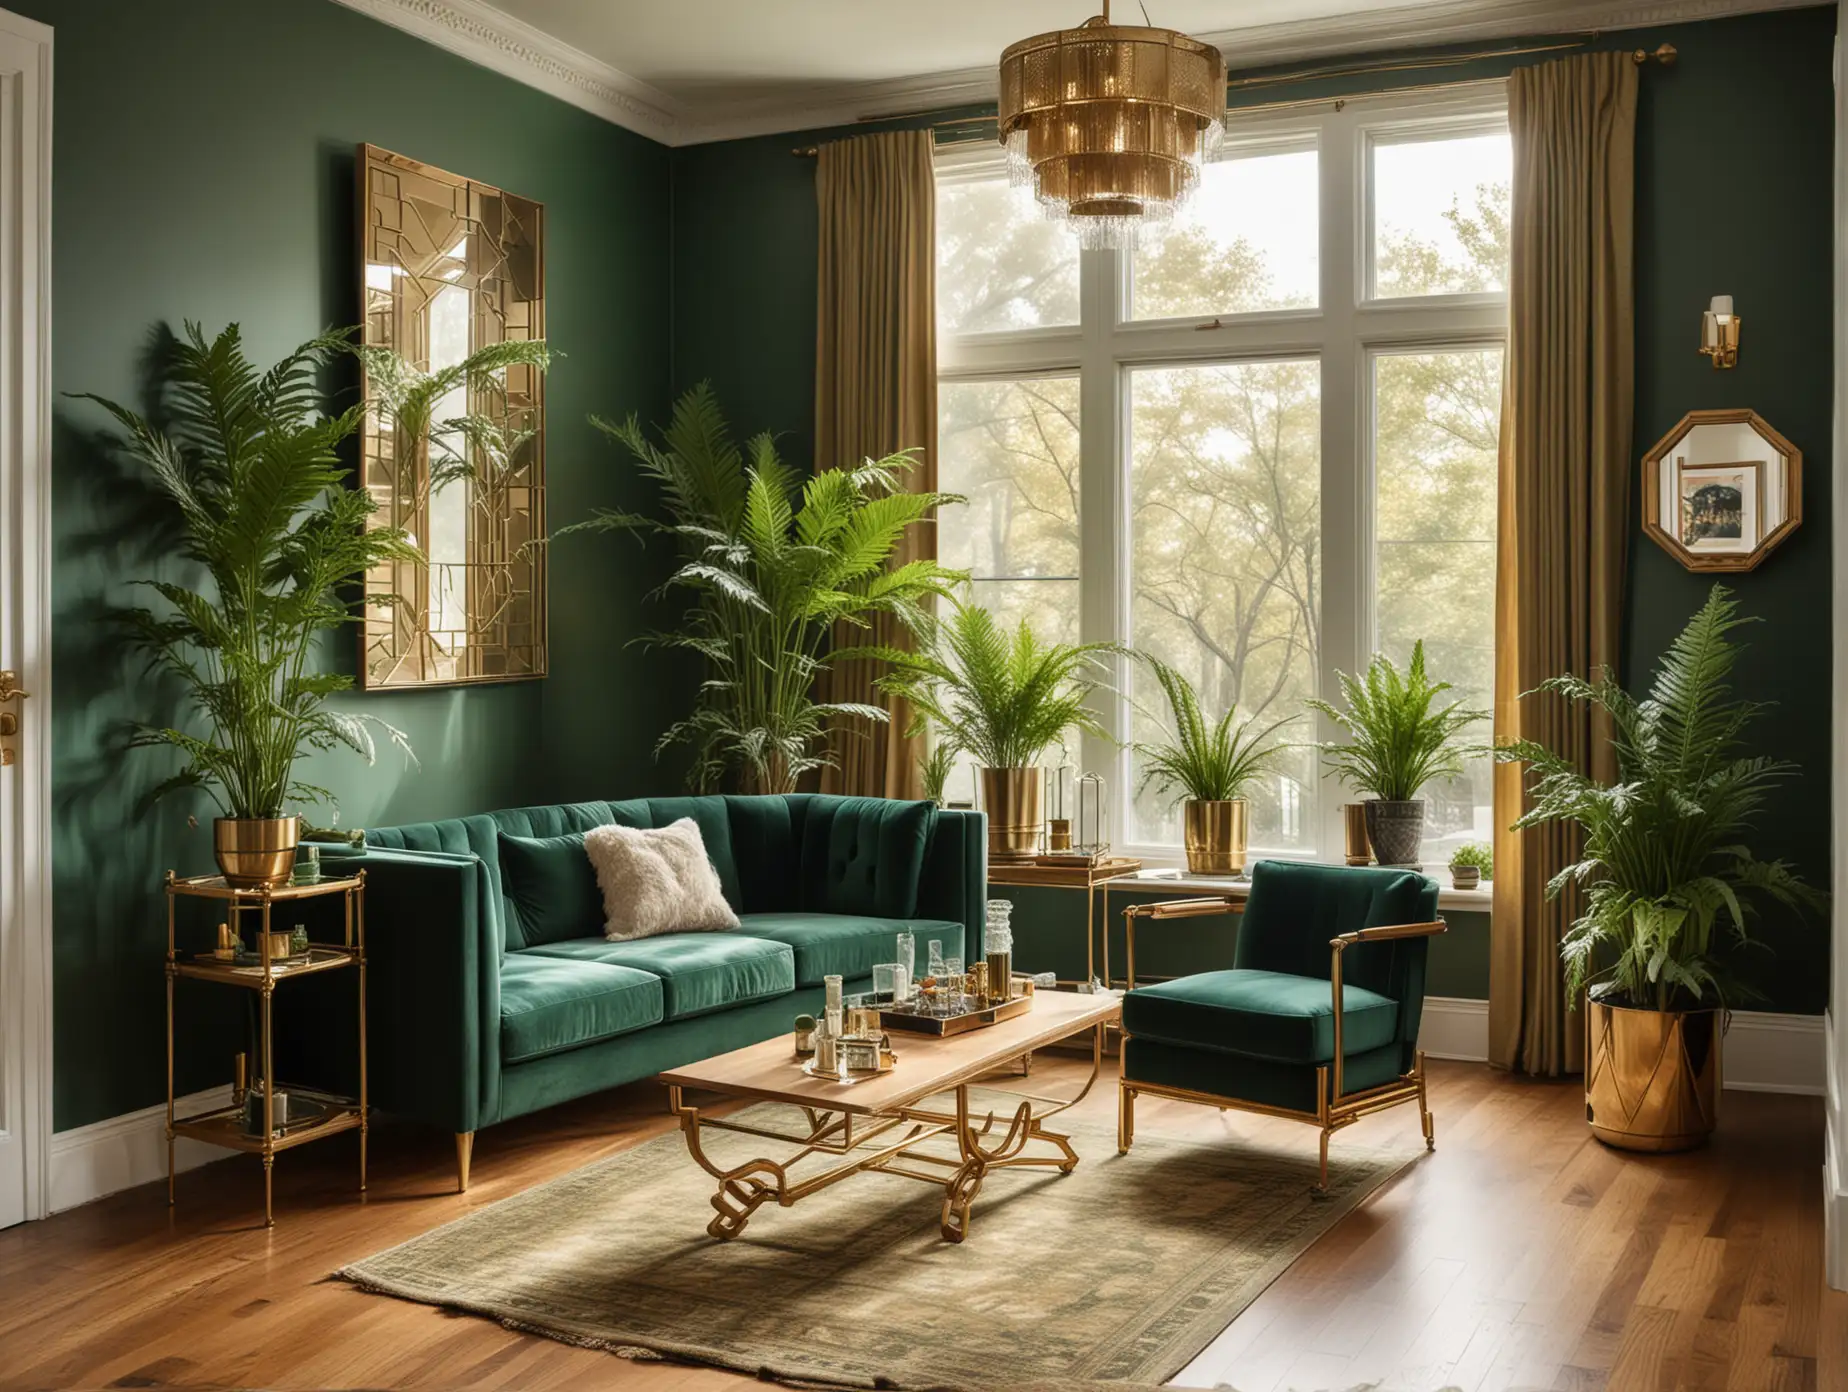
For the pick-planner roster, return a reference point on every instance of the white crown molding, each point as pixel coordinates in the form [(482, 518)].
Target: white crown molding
[(513, 48), (479, 32)]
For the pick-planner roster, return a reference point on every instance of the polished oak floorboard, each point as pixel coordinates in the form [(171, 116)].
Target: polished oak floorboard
[(1520, 1255)]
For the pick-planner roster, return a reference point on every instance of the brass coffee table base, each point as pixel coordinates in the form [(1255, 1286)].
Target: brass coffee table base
[(866, 1144)]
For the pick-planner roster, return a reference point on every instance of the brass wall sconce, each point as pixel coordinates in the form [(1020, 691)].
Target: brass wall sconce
[(1719, 333)]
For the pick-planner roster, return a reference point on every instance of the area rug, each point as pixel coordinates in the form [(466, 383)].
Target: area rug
[(1120, 1272)]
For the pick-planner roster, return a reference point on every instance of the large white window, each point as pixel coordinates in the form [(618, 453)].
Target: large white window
[(1262, 448)]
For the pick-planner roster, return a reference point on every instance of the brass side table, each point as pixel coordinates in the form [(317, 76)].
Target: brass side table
[(225, 1126), (1091, 878)]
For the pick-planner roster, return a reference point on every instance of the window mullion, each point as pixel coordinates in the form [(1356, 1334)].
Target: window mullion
[(1103, 503), (1346, 532)]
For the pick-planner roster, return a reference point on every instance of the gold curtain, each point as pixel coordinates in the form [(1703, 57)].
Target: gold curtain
[(876, 391), (1564, 504)]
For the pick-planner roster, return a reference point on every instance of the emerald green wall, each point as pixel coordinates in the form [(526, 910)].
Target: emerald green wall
[(204, 169), (1734, 154)]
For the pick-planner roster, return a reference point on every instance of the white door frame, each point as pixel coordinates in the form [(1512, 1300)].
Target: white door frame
[(25, 621)]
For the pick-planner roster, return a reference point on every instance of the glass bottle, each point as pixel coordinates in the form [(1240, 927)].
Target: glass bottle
[(998, 947)]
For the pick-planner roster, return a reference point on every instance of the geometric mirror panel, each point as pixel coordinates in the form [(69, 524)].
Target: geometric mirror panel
[(448, 267)]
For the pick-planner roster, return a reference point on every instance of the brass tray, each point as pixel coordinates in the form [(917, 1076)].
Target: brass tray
[(945, 1025)]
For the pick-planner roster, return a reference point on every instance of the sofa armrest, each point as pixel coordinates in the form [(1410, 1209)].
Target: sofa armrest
[(955, 880), (433, 986)]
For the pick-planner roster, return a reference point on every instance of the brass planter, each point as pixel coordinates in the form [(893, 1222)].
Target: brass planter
[(256, 852), (1012, 798), (1215, 834), (1652, 1077)]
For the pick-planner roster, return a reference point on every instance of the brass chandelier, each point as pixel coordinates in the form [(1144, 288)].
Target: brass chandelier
[(1110, 123)]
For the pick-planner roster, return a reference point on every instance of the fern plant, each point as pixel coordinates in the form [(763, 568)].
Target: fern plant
[(771, 561), (1207, 762), (249, 460), (1006, 699), (1401, 736), (1668, 887)]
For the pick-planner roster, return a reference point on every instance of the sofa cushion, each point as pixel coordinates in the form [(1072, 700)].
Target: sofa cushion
[(548, 1004), (550, 884), (699, 972), (657, 880), (1269, 1015), (848, 945), (863, 855)]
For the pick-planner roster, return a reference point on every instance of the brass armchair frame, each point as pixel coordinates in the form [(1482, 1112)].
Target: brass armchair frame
[(1333, 1111)]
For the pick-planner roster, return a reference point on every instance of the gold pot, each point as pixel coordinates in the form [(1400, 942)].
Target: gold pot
[(1358, 850), (1215, 833), (1652, 1077), (256, 852), (1012, 797)]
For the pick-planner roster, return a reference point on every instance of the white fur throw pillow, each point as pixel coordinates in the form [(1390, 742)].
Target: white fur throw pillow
[(656, 881)]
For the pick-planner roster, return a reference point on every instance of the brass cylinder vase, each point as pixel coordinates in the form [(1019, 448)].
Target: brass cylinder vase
[(1215, 836), (256, 852), (1652, 1077), (1012, 799)]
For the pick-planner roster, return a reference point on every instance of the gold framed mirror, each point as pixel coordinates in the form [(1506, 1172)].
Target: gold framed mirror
[(1722, 490), (448, 268)]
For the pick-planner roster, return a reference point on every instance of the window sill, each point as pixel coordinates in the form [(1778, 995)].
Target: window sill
[(1448, 895)]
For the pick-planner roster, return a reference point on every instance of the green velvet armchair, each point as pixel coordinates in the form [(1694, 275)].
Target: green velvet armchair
[(1316, 1021)]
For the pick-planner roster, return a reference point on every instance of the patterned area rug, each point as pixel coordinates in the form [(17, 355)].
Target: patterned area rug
[(1119, 1272)]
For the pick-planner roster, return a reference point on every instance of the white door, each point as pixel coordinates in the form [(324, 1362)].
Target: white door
[(25, 597)]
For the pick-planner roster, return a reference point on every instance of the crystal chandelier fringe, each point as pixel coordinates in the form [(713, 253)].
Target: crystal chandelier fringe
[(1110, 124)]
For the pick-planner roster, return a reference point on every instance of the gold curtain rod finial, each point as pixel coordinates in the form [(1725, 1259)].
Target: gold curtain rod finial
[(1665, 54)]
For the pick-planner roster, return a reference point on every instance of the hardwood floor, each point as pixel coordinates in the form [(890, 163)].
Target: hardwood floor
[(1522, 1254)]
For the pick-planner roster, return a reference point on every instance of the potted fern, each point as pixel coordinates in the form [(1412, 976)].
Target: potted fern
[(772, 562), (249, 461), (1666, 886), (1004, 698), (1209, 764), (1400, 736)]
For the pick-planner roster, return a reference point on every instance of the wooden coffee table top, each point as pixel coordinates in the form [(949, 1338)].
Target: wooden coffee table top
[(771, 1072)]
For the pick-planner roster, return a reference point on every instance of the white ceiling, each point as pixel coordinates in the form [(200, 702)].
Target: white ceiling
[(685, 71)]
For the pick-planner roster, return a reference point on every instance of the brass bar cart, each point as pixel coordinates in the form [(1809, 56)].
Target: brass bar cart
[(262, 973)]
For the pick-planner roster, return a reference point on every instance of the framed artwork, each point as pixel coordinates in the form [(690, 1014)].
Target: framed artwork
[(1720, 507)]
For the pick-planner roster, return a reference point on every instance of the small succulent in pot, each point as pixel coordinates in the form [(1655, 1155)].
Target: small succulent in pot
[(1471, 863)]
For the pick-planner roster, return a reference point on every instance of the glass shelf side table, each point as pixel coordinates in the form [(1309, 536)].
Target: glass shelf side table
[(323, 1113)]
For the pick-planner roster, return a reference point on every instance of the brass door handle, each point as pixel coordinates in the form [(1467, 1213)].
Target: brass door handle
[(9, 722)]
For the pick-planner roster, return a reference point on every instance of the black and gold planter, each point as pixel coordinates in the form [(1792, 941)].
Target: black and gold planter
[(1652, 1077)]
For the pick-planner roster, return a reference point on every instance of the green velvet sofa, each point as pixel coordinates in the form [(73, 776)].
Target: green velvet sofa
[(493, 992), (1317, 1020)]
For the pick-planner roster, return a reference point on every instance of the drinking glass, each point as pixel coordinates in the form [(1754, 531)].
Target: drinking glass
[(952, 992)]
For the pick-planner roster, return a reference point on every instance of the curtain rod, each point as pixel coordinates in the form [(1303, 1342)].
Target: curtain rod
[(1664, 54)]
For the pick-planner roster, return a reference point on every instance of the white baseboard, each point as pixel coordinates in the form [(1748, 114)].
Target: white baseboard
[(1835, 1169), (1455, 1027), (1764, 1052), (88, 1162)]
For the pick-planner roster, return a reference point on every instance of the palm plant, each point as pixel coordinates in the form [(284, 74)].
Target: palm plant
[(1003, 698), (772, 561), (1399, 736), (934, 769), (1666, 882), (1205, 762), (250, 462)]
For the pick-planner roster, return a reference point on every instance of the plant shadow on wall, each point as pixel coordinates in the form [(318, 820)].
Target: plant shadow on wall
[(1665, 890), (772, 563)]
